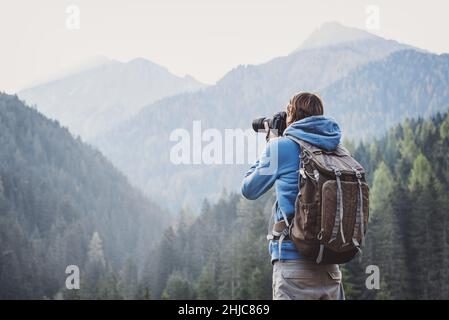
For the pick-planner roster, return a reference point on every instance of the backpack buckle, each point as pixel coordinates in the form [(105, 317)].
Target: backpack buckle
[(357, 173), (320, 235), (337, 172)]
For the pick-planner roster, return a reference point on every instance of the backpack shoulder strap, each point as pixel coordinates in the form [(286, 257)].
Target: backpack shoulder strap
[(305, 146)]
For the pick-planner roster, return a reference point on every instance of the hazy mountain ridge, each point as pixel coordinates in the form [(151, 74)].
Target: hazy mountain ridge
[(69, 70), (333, 33), (94, 100), (382, 94)]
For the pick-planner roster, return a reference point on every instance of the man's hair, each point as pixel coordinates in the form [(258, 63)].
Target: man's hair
[(303, 105)]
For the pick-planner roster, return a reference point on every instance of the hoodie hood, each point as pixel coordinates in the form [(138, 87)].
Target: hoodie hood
[(320, 131)]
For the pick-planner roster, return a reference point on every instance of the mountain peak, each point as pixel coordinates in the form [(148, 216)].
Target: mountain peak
[(332, 33), (142, 62)]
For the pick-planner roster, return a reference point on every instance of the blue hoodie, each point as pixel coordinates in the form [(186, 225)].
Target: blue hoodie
[(282, 171)]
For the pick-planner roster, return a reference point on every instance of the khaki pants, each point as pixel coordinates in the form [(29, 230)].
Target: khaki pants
[(305, 280)]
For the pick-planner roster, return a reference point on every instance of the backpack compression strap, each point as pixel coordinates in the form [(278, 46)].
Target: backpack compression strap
[(338, 225), (359, 223)]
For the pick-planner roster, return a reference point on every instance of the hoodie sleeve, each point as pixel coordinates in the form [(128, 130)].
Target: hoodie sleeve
[(262, 175)]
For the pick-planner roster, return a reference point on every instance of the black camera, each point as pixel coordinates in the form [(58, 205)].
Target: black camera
[(277, 122)]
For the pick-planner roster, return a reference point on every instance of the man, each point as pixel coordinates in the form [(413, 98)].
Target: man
[(294, 276)]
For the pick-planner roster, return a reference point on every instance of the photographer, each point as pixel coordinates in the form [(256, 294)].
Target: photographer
[(294, 276)]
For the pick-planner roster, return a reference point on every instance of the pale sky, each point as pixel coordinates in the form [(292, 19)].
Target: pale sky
[(203, 38)]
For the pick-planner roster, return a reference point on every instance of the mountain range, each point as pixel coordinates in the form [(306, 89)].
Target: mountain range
[(94, 100)]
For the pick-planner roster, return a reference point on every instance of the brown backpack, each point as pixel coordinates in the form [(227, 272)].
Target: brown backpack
[(331, 210)]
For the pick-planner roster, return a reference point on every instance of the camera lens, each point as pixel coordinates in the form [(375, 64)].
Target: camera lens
[(258, 124)]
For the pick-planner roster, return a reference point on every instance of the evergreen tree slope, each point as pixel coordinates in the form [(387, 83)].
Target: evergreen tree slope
[(62, 202)]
